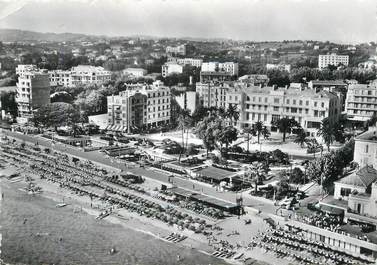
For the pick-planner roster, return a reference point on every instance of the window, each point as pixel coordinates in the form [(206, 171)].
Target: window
[(366, 149), (307, 103), (300, 102), (276, 108), (345, 191), (287, 101), (294, 102), (276, 100), (315, 103), (323, 104)]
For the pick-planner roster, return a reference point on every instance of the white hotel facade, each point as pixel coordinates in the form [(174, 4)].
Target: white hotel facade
[(332, 59), (79, 75)]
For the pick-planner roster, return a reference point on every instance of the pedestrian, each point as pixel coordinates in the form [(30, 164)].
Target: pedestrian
[(2, 195)]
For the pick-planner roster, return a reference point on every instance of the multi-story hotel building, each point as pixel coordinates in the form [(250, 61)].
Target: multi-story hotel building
[(60, 78), (140, 106), (361, 101), (218, 72), (186, 61), (332, 59), (212, 94), (170, 68), (25, 68), (79, 75), (33, 91), (87, 74), (227, 67), (269, 104)]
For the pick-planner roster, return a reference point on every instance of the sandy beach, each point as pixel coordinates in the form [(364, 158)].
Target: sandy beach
[(34, 231)]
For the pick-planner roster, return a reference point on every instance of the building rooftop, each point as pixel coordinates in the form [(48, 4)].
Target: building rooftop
[(361, 178), (370, 135), (329, 82)]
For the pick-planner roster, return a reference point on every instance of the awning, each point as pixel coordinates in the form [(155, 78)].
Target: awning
[(331, 210)]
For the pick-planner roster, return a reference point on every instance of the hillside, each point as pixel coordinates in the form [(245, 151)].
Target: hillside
[(13, 35)]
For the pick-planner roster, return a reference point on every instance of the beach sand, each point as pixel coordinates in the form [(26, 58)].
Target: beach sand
[(34, 231)]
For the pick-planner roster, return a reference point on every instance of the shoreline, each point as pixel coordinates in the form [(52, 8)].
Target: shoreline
[(92, 213), (194, 241)]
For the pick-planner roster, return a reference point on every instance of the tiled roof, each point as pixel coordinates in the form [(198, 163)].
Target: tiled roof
[(362, 178)]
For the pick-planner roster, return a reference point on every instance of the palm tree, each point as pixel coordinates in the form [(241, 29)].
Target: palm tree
[(249, 131), (285, 125), (182, 124), (232, 113), (258, 127), (256, 172), (328, 132), (301, 138)]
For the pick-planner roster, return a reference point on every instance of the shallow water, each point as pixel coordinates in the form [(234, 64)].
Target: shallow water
[(34, 231)]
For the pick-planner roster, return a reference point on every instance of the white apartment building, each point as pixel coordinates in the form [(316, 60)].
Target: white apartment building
[(60, 78), (188, 101), (170, 68), (212, 94), (136, 72), (186, 61), (79, 75), (227, 67), (33, 91), (268, 104), (179, 50), (365, 153), (87, 74), (361, 101), (139, 107), (332, 59), (281, 67), (25, 68)]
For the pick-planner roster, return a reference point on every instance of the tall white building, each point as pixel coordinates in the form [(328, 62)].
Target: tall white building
[(25, 68), (268, 104), (87, 74), (33, 91), (170, 68), (332, 59), (227, 67), (79, 75), (139, 107), (60, 78), (361, 101), (186, 61)]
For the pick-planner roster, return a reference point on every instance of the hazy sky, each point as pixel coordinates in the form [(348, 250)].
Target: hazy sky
[(335, 20)]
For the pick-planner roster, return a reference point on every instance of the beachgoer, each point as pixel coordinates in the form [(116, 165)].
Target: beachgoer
[(25, 220)]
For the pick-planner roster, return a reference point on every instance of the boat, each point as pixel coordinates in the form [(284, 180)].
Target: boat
[(60, 205)]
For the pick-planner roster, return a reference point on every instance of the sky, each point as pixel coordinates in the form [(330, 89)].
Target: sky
[(345, 21)]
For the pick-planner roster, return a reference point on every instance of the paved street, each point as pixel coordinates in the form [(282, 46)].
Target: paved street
[(259, 203)]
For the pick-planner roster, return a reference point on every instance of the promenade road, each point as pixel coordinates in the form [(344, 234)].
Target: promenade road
[(262, 204)]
